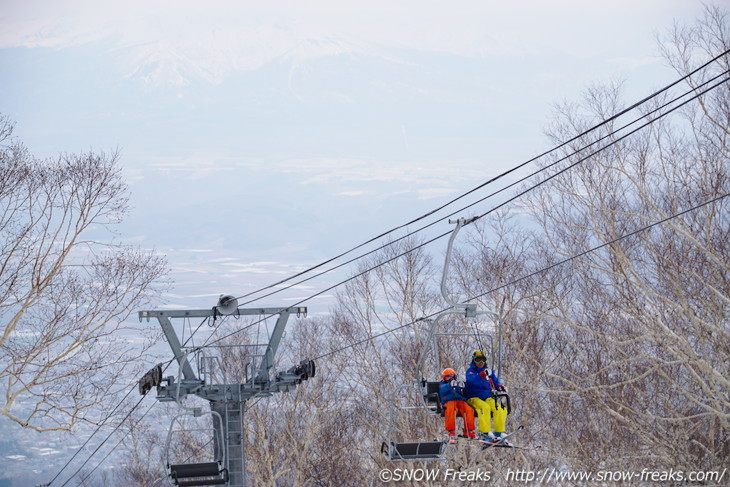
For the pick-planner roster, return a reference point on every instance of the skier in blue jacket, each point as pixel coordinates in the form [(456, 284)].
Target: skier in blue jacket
[(453, 401), (481, 386)]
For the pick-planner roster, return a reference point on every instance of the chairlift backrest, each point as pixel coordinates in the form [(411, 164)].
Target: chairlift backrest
[(432, 396)]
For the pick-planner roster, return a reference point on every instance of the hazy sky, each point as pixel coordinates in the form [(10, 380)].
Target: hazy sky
[(261, 137), (470, 27)]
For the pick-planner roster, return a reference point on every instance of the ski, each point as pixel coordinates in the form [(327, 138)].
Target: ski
[(520, 447), (489, 444)]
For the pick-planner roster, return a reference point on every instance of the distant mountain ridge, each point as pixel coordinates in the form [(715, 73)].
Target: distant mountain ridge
[(226, 54)]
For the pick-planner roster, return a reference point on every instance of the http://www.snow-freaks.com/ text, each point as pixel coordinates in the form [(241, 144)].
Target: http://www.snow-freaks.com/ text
[(548, 476)]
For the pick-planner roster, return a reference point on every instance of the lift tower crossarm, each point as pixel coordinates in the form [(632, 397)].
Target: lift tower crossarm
[(262, 374), (203, 313)]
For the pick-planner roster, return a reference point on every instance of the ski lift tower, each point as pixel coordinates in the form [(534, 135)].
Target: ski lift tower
[(227, 399)]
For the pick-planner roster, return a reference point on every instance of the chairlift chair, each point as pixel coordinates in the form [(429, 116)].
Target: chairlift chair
[(412, 450), (418, 451), (201, 473), (429, 390)]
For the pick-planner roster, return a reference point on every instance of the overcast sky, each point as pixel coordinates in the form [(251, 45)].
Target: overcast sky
[(262, 137), (259, 137)]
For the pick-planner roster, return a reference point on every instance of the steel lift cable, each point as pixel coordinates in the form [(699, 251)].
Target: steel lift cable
[(447, 233), (532, 274), (489, 211), (500, 176), (461, 210), (513, 198)]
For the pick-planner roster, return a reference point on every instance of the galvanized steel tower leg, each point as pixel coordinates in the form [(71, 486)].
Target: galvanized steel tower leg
[(232, 434)]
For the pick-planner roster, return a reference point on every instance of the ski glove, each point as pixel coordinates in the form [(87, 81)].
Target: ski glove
[(483, 374), (501, 388)]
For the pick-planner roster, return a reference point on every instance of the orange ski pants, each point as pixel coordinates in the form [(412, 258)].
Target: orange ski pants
[(450, 409)]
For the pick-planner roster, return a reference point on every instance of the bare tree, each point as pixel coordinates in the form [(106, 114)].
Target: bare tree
[(63, 296), (615, 360), (638, 375)]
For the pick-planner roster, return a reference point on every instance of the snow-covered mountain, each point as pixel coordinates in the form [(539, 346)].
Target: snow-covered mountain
[(227, 53)]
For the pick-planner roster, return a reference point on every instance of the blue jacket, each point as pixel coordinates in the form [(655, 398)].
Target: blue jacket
[(450, 393), (477, 386)]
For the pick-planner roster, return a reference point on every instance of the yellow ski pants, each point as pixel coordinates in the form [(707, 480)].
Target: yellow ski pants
[(489, 410)]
